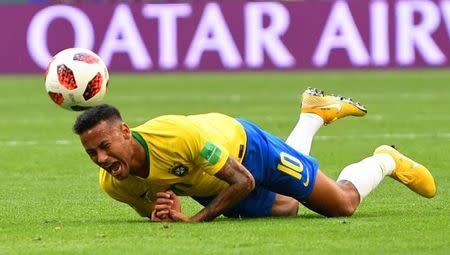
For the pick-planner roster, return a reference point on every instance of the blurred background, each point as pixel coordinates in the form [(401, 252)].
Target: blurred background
[(172, 36)]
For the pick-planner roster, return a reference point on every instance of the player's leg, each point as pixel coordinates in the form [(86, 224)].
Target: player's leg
[(318, 109), (297, 176), (331, 198), (286, 171), (342, 197), (357, 180)]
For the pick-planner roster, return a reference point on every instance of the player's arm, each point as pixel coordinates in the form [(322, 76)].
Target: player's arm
[(167, 200), (241, 183), (143, 207)]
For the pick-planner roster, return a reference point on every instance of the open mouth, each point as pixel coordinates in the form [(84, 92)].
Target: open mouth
[(112, 167)]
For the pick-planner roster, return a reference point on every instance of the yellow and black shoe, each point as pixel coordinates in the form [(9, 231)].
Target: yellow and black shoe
[(330, 107)]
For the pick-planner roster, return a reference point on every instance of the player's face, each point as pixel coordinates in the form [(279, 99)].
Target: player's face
[(108, 145)]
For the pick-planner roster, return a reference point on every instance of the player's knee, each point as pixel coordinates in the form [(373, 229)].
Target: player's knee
[(348, 200), (345, 208), (292, 208), (284, 206)]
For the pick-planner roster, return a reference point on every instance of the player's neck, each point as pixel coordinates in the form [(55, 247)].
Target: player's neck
[(140, 164), (143, 173)]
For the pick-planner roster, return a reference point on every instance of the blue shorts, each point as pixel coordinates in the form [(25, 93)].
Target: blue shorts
[(276, 167)]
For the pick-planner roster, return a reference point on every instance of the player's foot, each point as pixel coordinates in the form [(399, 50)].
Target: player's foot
[(330, 107), (414, 175)]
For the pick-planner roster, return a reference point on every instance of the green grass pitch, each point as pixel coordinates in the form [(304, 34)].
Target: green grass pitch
[(51, 202)]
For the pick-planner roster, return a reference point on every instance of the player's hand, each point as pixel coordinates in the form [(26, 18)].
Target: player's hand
[(155, 218), (178, 216), (165, 202), (175, 200)]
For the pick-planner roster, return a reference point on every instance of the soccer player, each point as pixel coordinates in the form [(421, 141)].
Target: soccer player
[(232, 166)]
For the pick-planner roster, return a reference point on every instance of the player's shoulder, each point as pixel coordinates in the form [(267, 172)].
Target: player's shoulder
[(122, 190), (168, 118), (111, 185), (184, 120), (106, 181), (163, 122)]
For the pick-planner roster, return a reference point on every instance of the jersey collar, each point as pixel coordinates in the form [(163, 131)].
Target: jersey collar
[(141, 140)]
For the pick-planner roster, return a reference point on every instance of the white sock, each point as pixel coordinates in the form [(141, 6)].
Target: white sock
[(386, 162), (365, 175), (302, 135)]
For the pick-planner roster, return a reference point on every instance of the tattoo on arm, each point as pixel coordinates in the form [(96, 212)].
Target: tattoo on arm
[(241, 184)]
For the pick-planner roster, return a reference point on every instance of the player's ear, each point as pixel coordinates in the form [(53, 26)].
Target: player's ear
[(125, 130)]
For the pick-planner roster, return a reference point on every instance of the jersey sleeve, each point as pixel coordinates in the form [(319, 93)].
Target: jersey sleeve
[(143, 207), (206, 155), (212, 157)]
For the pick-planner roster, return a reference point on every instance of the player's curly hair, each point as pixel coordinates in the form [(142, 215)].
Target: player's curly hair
[(92, 116)]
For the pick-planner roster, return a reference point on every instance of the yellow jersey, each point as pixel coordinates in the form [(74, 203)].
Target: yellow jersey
[(184, 153)]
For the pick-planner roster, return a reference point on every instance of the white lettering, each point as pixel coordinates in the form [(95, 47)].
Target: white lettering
[(341, 32), (445, 6), (123, 36), (411, 36), (213, 34), (37, 31), (379, 28), (258, 38), (167, 15)]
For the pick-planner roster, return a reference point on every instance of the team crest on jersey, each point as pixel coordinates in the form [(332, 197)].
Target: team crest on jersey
[(179, 170)]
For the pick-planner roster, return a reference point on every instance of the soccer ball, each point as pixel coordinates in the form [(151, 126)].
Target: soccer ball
[(76, 79)]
